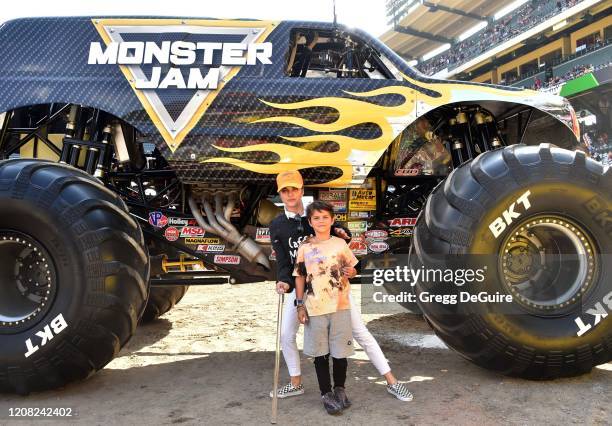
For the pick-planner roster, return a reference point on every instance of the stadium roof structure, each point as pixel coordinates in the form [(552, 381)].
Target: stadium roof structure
[(422, 26)]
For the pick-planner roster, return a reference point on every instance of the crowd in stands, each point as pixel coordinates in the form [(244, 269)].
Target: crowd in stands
[(518, 21)]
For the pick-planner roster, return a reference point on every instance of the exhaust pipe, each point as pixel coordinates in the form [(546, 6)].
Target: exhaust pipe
[(217, 222)]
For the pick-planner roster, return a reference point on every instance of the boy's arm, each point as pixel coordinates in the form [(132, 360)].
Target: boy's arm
[(299, 287)]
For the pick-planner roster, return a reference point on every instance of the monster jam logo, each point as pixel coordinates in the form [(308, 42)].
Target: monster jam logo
[(176, 67)]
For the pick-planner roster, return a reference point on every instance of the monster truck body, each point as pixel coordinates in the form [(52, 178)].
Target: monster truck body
[(185, 124)]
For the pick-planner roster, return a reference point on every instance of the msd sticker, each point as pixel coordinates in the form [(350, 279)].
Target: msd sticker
[(192, 231), (158, 220), (226, 259)]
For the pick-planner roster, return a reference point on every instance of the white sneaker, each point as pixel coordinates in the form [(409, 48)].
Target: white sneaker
[(400, 391), (288, 390)]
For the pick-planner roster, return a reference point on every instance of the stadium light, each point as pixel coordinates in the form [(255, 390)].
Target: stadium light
[(436, 51), (506, 10), (473, 30), (413, 63)]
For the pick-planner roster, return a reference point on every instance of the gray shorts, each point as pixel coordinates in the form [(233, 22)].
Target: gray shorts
[(329, 334)]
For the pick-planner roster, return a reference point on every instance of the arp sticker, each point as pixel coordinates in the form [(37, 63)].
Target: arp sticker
[(226, 259), (400, 222), (158, 220), (44, 336)]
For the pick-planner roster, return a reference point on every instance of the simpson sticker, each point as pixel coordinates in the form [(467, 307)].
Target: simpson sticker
[(192, 58), (378, 247), (362, 199), (44, 336), (226, 259), (172, 233), (192, 231), (499, 225), (262, 235), (399, 222), (211, 248), (158, 220)]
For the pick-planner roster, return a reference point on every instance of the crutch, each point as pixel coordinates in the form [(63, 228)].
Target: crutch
[(279, 320)]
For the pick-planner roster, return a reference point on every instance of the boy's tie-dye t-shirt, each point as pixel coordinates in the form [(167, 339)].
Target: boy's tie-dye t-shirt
[(321, 264)]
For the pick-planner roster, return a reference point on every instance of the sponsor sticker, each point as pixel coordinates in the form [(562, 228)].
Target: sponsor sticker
[(158, 220), (262, 235), (181, 221), (341, 217), (360, 215), (378, 247), (211, 248), (200, 240), (192, 231), (400, 222), (172, 233), (362, 199), (376, 234), (357, 226), (335, 197), (226, 259), (407, 172), (358, 247), (401, 232)]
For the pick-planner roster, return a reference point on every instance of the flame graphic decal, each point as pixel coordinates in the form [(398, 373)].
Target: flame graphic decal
[(352, 151), (391, 120)]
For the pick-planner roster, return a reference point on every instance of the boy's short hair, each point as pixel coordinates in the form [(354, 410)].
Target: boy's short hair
[(320, 206)]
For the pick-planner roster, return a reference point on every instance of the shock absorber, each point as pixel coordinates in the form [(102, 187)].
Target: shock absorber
[(483, 131), (102, 161), (69, 134)]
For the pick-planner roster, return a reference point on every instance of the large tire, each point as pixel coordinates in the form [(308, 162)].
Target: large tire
[(538, 335), (92, 257), (162, 300)]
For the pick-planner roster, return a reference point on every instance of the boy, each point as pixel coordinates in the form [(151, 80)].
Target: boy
[(324, 264)]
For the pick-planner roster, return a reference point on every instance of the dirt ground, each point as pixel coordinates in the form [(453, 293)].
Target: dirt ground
[(211, 360)]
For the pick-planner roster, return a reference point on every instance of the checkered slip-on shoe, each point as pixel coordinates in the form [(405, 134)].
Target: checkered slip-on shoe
[(399, 391), (288, 390)]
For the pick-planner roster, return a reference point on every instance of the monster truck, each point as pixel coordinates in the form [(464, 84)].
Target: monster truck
[(139, 157)]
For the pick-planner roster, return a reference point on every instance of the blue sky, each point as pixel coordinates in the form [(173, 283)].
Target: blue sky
[(368, 15)]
